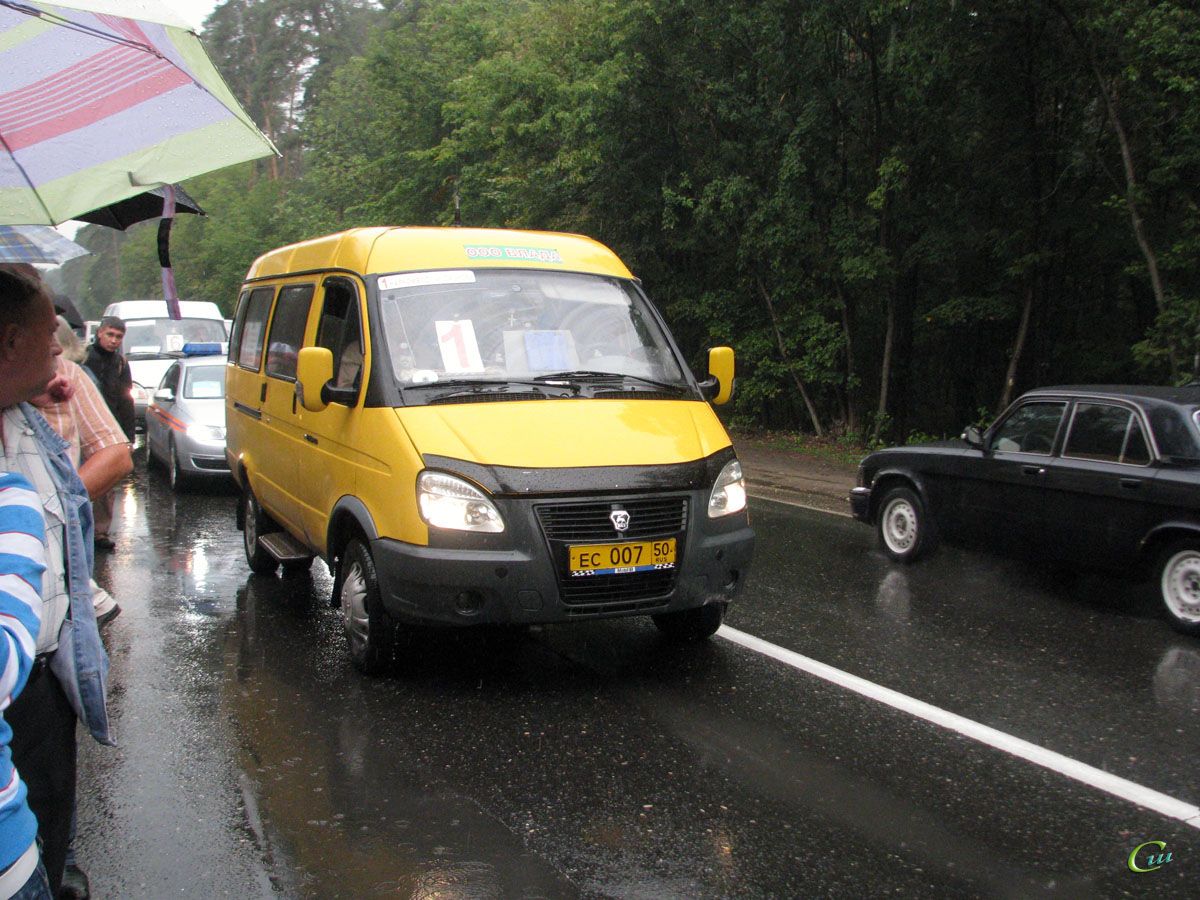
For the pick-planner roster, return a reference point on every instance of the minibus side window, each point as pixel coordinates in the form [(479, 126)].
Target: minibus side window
[(340, 332), (287, 330), (250, 328)]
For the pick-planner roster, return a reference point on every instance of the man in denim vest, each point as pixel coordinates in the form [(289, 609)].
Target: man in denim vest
[(68, 680)]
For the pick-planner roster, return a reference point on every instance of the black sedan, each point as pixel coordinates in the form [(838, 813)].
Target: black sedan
[(1097, 477)]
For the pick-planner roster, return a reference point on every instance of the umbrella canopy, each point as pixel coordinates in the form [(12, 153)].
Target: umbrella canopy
[(101, 100), (66, 308), (148, 205), (36, 244)]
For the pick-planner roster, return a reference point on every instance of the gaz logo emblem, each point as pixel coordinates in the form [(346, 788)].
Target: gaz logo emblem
[(619, 518)]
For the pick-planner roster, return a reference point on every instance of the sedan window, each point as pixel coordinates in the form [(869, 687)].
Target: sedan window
[(1107, 434), (1031, 428)]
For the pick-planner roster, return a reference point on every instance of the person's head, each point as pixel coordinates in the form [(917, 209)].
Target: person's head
[(110, 333), (72, 346), (28, 349)]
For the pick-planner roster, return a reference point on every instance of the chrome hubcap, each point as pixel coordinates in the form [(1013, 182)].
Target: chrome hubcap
[(354, 604), (900, 525), (251, 529), (1181, 586)]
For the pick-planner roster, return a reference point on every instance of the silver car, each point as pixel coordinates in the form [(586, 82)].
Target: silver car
[(185, 421)]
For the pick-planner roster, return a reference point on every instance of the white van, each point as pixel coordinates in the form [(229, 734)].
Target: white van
[(153, 339)]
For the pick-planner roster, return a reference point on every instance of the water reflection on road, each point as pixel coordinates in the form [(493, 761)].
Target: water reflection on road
[(600, 761)]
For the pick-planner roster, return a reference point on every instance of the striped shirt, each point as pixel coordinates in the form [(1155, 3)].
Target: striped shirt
[(21, 455), (84, 421), (22, 561)]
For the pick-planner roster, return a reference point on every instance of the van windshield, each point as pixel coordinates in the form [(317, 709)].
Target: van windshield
[(509, 326), (153, 337)]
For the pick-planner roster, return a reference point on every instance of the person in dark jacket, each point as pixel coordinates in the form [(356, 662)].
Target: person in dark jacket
[(116, 383)]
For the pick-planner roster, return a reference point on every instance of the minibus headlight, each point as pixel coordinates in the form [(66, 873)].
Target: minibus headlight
[(729, 493), (446, 501)]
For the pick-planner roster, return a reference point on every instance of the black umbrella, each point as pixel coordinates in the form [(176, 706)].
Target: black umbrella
[(132, 210), (150, 205), (65, 307)]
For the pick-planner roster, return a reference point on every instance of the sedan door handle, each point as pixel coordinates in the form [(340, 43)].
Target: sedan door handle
[(1033, 470), (1131, 483)]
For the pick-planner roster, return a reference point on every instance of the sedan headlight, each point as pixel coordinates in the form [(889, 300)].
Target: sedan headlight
[(729, 493), (208, 433), (447, 501)]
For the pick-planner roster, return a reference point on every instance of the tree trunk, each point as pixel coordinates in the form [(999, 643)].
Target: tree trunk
[(808, 404), (1022, 331), (885, 374), (1131, 181)]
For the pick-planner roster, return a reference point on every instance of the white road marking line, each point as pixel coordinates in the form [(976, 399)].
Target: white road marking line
[(1072, 768), (763, 495)]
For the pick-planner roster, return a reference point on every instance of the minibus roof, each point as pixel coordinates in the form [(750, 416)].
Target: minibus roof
[(383, 250)]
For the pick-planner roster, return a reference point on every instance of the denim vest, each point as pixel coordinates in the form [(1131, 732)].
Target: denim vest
[(80, 662)]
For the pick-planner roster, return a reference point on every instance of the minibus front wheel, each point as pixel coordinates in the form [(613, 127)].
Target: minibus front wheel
[(256, 523), (694, 624), (370, 631)]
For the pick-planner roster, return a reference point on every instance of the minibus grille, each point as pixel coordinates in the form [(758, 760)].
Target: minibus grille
[(653, 518), (648, 518)]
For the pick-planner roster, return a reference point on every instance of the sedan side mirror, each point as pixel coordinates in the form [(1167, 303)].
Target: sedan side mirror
[(165, 394), (972, 437)]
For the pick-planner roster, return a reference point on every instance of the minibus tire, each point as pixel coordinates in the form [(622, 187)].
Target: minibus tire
[(256, 523), (694, 624), (370, 631)]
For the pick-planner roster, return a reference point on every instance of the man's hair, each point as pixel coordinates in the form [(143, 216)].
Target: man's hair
[(116, 323), (19, 292)]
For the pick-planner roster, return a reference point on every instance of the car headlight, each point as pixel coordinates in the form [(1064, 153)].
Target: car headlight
[(198, 432), (447, 501), (729, 493)]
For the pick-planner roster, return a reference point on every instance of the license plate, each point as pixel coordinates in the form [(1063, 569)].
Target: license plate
[(620, 559)]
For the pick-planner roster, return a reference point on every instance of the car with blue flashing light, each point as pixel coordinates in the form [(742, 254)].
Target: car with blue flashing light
[(153, 338), (185, 420), (1103, 478)]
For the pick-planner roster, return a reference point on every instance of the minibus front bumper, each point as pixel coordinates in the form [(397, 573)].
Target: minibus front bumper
[(465, 586)]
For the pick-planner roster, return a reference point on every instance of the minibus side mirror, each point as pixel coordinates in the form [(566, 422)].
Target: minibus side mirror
[(719, 386), (314, 367)]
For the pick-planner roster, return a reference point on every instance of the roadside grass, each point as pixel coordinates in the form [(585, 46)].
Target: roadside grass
[(839, 449)]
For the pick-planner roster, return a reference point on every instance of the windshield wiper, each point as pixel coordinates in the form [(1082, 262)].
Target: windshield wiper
[(623, 377), (580, 375), (455, 387)]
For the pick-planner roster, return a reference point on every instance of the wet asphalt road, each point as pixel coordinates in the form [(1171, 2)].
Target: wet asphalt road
[(597, 761)]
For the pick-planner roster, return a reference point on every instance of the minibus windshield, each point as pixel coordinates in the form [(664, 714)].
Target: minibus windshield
[(480, 329)]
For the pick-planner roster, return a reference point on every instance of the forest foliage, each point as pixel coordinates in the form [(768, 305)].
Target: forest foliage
[(899, 214)]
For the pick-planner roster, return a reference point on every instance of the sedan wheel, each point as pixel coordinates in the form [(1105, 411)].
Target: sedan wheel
[(1179, 577), (905, 529), (370, 631), (175, 477)]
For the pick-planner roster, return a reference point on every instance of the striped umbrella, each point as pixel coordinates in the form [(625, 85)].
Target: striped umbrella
[(101, 100), (37, 244)]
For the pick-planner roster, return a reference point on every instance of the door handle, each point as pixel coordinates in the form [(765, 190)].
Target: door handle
[(310, 438), (1131, 483), (1033, 470)]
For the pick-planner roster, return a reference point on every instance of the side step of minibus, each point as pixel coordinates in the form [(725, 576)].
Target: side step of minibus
[(284, 547)]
